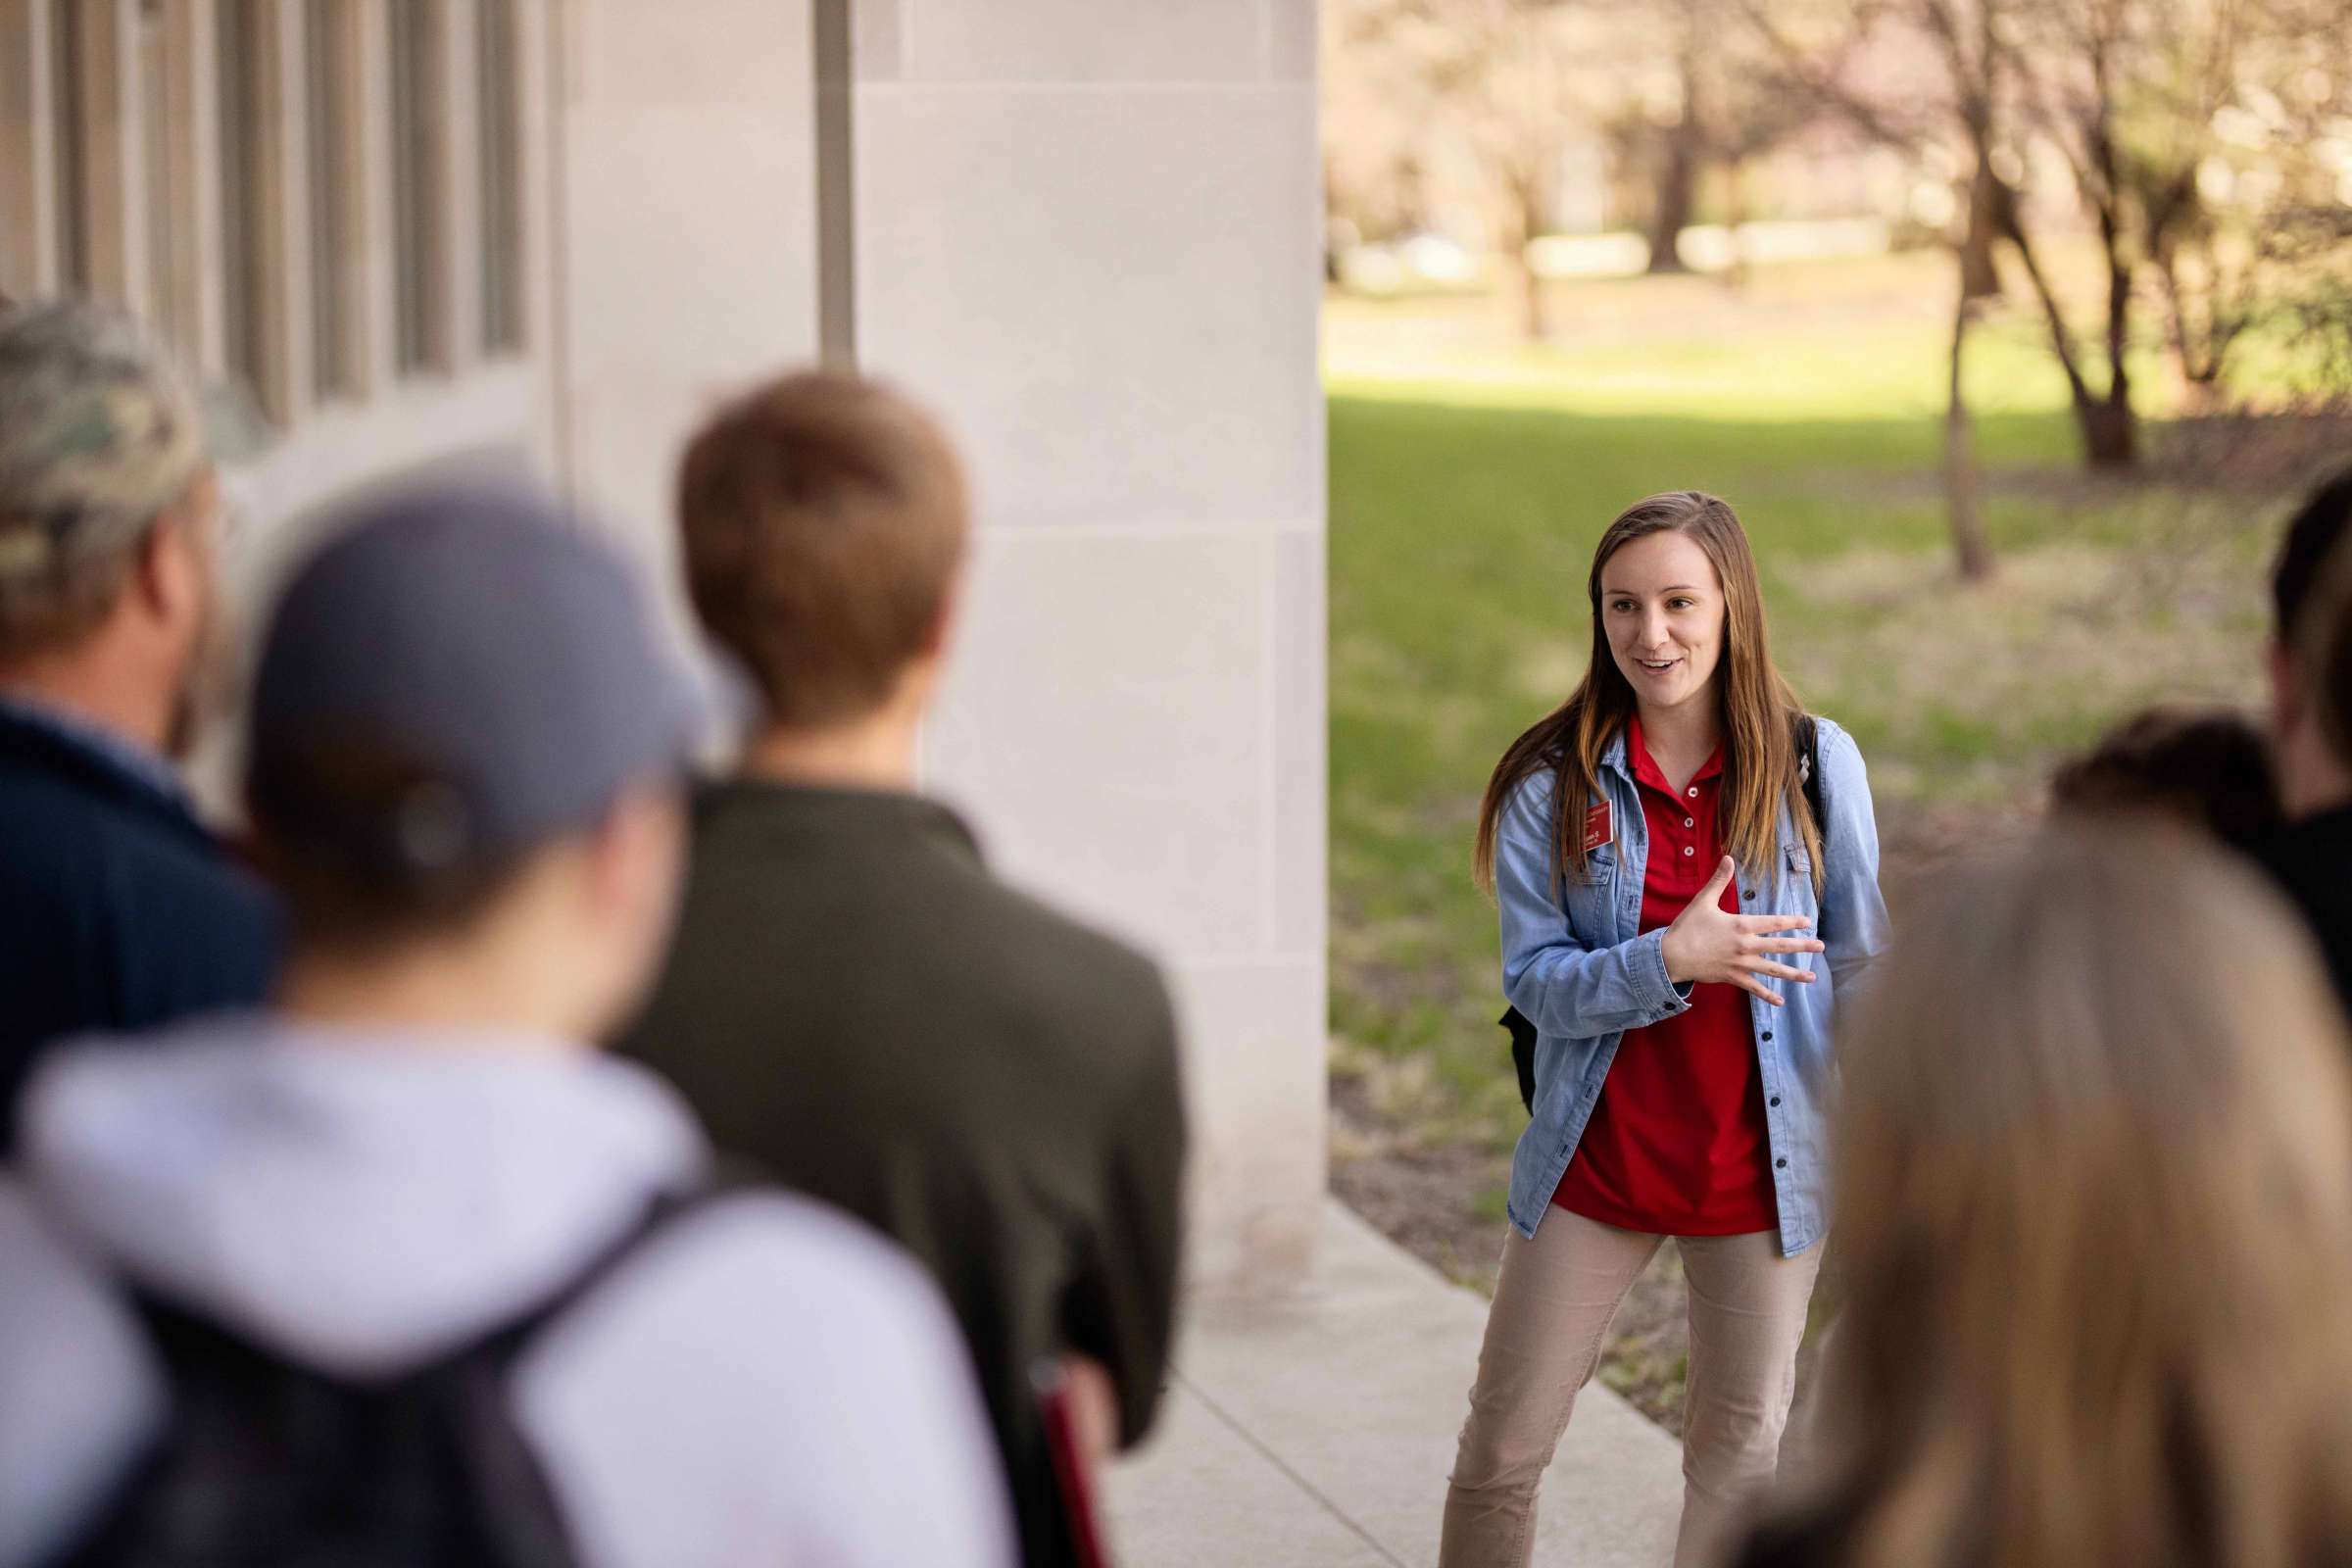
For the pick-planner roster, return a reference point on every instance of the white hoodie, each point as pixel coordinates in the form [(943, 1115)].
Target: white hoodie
[(763, 1384)]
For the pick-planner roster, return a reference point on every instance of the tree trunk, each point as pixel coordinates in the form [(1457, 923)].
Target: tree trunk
[(1677, 191), (1527, 220), (2110, 433), (1963, 484), (1535, 316), (1736, 219), (2108, 430), (1978, 278), (2111, 438)]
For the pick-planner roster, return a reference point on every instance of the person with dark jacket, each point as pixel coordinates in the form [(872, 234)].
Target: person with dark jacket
[(118, 909), (853, 1001), (2310, 658)]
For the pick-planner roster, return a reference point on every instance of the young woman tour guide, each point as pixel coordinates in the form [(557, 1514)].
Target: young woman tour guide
[(1665, 887)]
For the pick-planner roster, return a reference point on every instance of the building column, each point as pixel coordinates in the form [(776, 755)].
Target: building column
[(685, 236), (1087, 233)]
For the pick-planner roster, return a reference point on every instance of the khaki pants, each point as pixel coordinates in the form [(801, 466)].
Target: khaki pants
[(1552, 1309)]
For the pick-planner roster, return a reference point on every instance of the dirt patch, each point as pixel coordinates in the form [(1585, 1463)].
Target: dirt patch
[(2266, 454), (1436, 1202)]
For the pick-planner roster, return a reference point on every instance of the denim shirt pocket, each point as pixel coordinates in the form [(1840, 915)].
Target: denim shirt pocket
[(1589, 899)]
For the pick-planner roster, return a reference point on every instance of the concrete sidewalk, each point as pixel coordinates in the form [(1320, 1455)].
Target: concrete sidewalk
[(1315, 1431)]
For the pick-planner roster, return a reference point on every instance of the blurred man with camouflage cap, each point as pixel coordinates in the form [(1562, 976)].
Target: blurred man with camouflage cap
[(118, 909)]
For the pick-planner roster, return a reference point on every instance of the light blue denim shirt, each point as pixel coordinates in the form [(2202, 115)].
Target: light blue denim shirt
[(1584, 977)]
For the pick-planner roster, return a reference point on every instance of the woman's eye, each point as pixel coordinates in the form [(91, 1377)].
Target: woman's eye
[(1680, 604)]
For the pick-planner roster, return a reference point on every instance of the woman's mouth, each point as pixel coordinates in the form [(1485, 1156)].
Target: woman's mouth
[(1658, 666)]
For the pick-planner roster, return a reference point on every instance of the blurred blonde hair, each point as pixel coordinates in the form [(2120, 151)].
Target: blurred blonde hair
[(2095, 1178)]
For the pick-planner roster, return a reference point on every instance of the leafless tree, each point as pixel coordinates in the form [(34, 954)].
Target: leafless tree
[(2140, 101), (2238, 163), (1928, 77), (1728, 101), (1499, 83)]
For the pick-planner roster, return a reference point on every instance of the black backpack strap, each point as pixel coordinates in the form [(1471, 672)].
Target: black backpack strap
[(1523, 1053), (424, 1464), (1809, 771), (661, 1211)]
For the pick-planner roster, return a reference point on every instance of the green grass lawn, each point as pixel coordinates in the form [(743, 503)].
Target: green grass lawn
[(1470, 478)]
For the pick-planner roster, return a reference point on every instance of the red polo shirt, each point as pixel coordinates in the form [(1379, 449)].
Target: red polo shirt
[(1677, 1146)]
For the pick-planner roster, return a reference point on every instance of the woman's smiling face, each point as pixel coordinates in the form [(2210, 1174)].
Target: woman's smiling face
[(1663, 608)]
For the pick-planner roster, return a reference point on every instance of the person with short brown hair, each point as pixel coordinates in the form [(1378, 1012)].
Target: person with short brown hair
[(854, 1000), (2205, 768), (824, 521)]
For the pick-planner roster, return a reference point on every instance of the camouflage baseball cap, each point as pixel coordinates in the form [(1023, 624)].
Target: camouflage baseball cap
[(98, 434)]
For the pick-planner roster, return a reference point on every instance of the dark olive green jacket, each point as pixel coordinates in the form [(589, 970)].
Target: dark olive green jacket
[(855, 1004)]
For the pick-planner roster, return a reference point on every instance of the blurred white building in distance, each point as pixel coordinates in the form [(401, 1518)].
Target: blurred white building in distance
[(556, 231)]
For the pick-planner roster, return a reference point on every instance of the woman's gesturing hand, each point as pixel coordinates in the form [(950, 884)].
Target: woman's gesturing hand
[(1709, 945)]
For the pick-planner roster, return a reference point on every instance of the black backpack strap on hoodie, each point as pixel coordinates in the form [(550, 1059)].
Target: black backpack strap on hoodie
[(266, 1463), (501, 1345)]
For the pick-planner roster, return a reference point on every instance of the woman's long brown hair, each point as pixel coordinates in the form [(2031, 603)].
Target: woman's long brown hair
[(1760, 710)]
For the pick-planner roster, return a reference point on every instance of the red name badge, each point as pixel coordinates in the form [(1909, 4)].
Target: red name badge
[(1596, 827)]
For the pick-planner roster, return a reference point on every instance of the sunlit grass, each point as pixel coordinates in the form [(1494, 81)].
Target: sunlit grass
[(1465, 500)]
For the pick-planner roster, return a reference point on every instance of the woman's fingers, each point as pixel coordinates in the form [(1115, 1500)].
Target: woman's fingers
[(1750, 984), (1786, 945), (1761, 924), (1779, 971)]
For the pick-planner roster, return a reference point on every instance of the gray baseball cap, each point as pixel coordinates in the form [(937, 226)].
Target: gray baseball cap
[(461, 675)]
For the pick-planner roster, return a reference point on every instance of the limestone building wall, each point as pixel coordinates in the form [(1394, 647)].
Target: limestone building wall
[(554, 232)]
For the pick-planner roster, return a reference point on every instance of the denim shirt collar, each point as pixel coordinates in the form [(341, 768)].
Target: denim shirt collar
[(1614, 757)]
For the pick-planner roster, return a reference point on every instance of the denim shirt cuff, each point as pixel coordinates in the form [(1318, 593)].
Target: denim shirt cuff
[(1665, 998)]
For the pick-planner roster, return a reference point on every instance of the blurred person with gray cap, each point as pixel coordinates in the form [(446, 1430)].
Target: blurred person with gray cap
[(118, 909), (402, 1270)]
